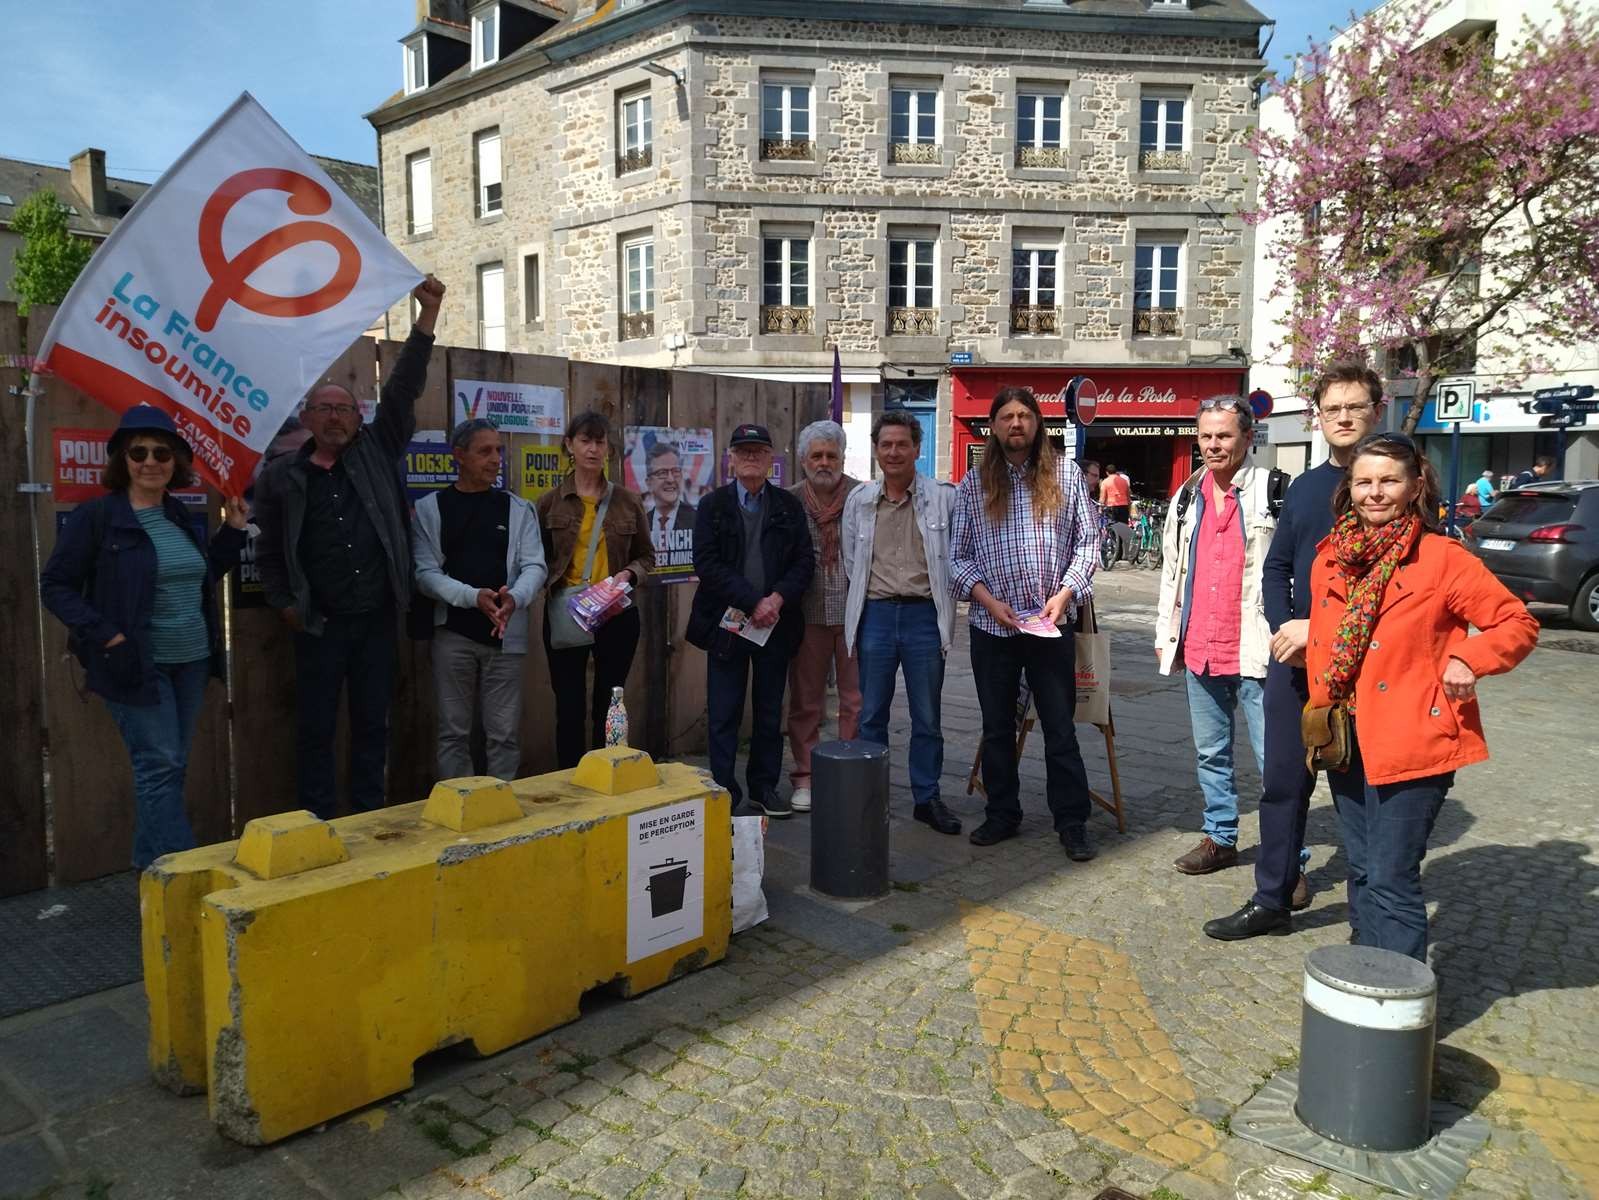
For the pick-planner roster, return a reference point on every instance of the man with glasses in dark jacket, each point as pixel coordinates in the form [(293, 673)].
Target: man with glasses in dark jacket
[(334, 555)]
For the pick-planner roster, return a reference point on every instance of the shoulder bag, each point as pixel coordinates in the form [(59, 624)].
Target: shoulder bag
[(565, 632), (1327, 736)]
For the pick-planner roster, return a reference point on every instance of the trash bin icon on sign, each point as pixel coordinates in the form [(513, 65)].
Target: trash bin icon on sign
[(667, 881)]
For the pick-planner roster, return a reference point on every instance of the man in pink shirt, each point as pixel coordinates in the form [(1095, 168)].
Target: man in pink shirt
[(1210, 618)]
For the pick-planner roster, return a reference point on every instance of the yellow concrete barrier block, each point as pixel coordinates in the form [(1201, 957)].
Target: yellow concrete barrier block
[(288, 843), (316, 992), (473, 802), (169, 918), (615, 770)]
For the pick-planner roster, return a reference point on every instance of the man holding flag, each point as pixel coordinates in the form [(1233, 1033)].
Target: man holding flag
[(335, 560)]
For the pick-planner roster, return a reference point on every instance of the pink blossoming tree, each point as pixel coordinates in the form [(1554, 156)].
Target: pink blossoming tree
[(1437, 201)]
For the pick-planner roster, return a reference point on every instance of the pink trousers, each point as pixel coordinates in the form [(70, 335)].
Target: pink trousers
[(807, 700)]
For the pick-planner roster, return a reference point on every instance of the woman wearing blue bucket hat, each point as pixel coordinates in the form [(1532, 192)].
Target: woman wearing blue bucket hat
[(134, 582)]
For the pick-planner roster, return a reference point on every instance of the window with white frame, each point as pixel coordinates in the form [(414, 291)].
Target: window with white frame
[(638, 266), (786, 283), (491, 306), (1040, 121), (1034, 279), (913, 122), (786, 120), (486, 151), (635, 132), (912, 271), (485, 36), (638, 288), (532, 290), (416, 65), (419, 192), (1158, 288), (1162, 131)]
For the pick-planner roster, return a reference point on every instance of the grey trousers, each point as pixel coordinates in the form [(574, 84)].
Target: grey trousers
[(466, 673)]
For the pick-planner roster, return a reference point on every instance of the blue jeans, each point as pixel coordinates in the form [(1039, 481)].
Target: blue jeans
[(1385, 828), (895, 637), (1212, 704), (158, 737)]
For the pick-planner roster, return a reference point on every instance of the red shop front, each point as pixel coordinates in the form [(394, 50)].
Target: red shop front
[(1143, 420)]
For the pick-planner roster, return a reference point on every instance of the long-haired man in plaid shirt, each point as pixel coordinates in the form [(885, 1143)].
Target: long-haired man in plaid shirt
[(1023, 541)]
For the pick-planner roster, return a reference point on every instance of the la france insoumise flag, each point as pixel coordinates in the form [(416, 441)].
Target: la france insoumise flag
[(226, 292)]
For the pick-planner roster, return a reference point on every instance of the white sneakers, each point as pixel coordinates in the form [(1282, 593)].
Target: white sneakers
[(801, 799)]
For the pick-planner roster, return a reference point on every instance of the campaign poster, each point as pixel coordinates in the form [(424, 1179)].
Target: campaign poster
[(777, 476), (80, 457), (513, 407), (543, 464), (671, 469), (665, 878), (430, 465), (226, 292)]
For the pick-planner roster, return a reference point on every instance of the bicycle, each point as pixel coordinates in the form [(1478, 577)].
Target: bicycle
[(1147, 529), (1110, 543)]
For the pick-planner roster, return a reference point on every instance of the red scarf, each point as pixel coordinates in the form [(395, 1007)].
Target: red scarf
[(826, 517), (1367, 558)]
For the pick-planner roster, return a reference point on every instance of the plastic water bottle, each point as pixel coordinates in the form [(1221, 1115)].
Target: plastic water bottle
[(616, 720)]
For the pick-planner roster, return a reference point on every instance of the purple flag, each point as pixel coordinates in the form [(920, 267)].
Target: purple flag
[(837, 409)]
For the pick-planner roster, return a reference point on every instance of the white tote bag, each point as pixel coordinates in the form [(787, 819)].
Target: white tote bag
[(749, 867), (1093, 672)]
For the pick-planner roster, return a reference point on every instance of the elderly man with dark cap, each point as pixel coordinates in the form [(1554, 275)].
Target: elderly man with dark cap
[(752, 553)]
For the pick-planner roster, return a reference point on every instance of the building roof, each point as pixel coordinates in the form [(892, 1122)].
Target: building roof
[(592, 23), (20, 179)]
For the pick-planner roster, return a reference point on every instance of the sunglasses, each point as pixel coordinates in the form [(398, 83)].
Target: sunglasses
[(162, 454), (1224, 402)]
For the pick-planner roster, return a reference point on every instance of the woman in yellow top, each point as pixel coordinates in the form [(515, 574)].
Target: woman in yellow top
[(576, 558)]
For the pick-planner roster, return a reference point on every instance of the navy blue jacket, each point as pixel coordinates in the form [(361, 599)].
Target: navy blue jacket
[(719, 562), (1305, 519), (99, 591)]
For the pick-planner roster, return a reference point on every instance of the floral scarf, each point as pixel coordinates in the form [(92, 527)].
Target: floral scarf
[(1367, 559)]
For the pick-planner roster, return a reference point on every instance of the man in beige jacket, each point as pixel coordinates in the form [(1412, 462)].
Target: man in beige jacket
[(1211, 619)]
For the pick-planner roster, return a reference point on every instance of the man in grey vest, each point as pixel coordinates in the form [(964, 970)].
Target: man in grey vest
[(752, 553)]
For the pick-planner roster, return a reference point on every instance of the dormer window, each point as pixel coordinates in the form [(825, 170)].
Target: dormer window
[(1168, 4), (416, 65), (485, 36)]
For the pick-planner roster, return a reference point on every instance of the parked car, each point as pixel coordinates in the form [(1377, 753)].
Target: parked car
[(1542, 542)]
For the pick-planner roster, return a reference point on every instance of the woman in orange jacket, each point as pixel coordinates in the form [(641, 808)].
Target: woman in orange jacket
[(1391, 603)]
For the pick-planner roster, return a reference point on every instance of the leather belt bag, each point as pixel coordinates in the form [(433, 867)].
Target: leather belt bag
[(1328, 736)]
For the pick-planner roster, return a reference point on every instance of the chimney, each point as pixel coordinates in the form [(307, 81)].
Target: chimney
[(88, 179)]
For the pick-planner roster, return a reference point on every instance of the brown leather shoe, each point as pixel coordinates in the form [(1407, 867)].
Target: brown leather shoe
[(1300, 900), (1206, 857)]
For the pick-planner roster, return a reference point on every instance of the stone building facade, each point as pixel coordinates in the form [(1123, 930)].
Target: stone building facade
[(904, 182)]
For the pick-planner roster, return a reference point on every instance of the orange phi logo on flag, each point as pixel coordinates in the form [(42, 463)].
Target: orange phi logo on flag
[(229, 276)]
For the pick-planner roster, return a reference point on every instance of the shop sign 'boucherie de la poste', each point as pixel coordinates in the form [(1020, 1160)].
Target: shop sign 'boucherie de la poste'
[(226, 293)]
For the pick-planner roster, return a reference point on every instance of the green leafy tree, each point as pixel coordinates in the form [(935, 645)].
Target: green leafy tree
[(50, 258)]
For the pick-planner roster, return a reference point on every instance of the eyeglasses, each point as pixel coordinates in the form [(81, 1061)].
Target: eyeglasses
[(162, 454), (664, 473), (332, 410), (1224, 402), (1340, 410)]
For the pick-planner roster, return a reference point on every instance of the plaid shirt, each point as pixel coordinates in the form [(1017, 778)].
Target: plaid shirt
[(1023, 561)]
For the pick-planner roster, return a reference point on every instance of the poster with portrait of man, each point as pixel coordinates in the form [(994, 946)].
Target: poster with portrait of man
[(671, 469)]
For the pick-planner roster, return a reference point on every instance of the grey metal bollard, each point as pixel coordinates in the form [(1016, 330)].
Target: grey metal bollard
[(1366, 1047), (849, 819)]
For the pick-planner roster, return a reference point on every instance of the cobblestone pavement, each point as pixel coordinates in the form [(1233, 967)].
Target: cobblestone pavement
[(1006, 1023)]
